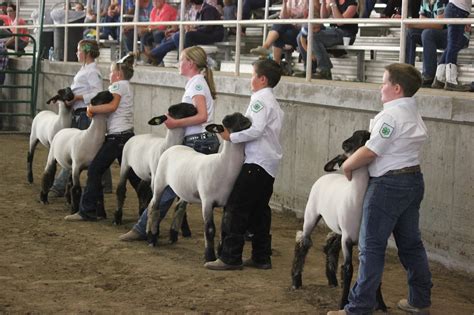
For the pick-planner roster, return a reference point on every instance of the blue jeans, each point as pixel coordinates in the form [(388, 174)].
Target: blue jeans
[(304, 54), (249, 5), (287, 34), (327, 38), (391, 205), (430, 40), (456, 39), (165, 47)]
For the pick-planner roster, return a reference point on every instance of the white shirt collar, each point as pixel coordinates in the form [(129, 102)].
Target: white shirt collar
[(400, 101)]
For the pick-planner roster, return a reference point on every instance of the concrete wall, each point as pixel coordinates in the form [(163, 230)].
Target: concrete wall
[(318, 116)]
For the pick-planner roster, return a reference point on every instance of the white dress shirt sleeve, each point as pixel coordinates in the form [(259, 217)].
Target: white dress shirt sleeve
[(382, 134), (258, 113), (95, 81)]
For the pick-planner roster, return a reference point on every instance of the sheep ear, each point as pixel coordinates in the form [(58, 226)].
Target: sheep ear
[(214, 128), (329, 167), (158, 120), (52, 99)]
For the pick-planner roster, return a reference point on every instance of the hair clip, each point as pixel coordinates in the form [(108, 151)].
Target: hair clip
[(125, 59)]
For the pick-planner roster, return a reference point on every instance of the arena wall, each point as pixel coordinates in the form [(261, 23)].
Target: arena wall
[(318, 116)]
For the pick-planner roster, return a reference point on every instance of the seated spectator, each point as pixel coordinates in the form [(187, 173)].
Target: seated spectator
[(284, 34), (144, 10), (218, 4), (430, 36), (394, 9), (78, 7), (333, 35), (14, 21), (200, 35), (230, 13), (369, 7), (113, 16), (91, 10), (154, 34), (302, 41), (3, 58)]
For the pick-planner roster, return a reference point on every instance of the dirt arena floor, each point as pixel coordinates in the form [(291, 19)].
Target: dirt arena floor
[(51, 266)]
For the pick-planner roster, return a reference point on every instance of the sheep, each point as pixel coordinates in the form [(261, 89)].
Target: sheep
[(74, 149), (47, 123), (339, 202), (141, 154), (196, 177)]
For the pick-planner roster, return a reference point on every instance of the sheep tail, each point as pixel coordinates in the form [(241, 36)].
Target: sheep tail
[(303, 244)]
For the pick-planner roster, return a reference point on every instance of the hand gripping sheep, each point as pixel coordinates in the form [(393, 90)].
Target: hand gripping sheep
[(47, 123), (196, 177), (339, 202), (141, 154), (74, 149)]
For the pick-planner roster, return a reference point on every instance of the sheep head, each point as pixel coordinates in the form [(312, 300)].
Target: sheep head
[(234, 123), (65, 94), (177, 111), (103, 97), (350, 145)]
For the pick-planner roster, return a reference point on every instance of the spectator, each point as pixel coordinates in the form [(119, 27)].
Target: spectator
[(230, 13), (458, 37), (91, 10), (113, 16), (78, 7), (14, 21), (218, 4), (394, 9), (334, 34), (144, 10), (154, 34), (369, 6), (200, 35), (284, 34), (430, 36), (3, 59)]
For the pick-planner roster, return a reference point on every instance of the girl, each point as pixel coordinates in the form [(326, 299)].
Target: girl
[(119, 130), (86, 84), (200, 91)]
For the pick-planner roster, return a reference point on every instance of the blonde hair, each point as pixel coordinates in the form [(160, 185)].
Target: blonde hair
[(197, 55), (89, 47)]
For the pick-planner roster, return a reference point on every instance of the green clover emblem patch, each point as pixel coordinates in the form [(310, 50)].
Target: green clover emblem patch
[(198, 87), (256, 107), (114, 87), (386, 130)]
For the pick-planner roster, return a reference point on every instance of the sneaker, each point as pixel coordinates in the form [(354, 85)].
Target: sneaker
[(340, 312), (53, 193), (427, 83), (405, 306), (74, 217), (249, 262), (323, 75), (457, 87), (131, 236), (220, 265), (260, 51)]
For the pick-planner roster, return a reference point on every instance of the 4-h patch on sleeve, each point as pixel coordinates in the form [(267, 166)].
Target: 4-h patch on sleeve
[(386, 130), (114, 87), (256, 107), (198, 87)]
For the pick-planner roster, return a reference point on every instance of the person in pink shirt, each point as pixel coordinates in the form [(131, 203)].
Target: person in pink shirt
[(154, 34), (23, 40)]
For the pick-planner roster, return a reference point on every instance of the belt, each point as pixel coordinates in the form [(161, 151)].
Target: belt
[(405, 170), (80, 110), (118, 134), (199, 136)]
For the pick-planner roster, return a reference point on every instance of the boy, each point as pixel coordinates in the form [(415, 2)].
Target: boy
[(247, 207), (394, 194)]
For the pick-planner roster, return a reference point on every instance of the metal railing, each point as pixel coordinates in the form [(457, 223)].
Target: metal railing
[(238, 23)]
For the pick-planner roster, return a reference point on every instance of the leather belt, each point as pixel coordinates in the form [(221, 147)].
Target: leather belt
[(80, 110), (405, 170), (118, 134), (199, 136)]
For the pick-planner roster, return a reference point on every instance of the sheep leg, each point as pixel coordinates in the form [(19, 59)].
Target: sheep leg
[(209, 232), (120, 194), (76, 190), (29, 160), (347, 271), (380, 302), (68, 191), (302, 246), (47, 181), (179, 220), (144, 195), (331, 249), (153, 222), (185, 230)]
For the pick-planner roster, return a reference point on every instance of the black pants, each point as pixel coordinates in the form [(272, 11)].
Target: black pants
[(92, 198), (248, 209)]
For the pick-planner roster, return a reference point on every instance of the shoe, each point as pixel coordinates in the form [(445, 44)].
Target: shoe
[(438, 84), (74, 217), (260, 51), (53, 193), (299, 74), (323, 75), (405, 306), (220, 265), (131, 236), (249, 262), (457, 87), (426, 83), (340, 312)]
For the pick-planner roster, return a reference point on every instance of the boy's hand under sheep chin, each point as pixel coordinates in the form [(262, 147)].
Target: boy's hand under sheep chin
[(89, 112)]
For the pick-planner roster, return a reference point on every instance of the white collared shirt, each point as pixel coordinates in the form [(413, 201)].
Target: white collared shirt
[(197, 85), (262, 139), (122, 119), (463, 4), (397, 134), (87, 82)]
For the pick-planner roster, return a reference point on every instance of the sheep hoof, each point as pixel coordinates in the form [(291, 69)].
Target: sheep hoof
[(173, 236), (209, 255), (152, 239), (44, 198), (118, 218), (297, 281), (30, 178)]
